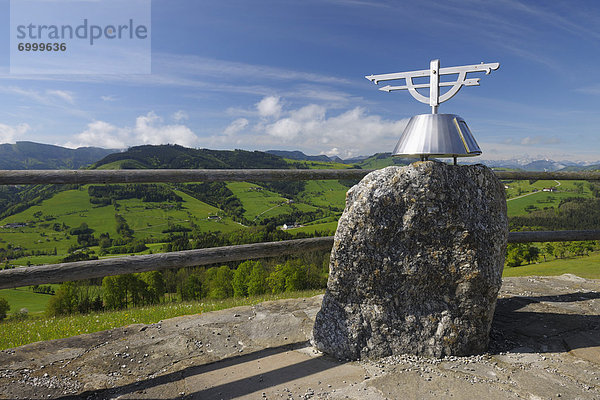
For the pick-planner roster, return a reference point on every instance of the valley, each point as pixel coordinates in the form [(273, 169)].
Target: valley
[(53, 224)]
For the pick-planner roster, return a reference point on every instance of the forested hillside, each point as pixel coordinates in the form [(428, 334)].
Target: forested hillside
[(30, 155), (179, 157)]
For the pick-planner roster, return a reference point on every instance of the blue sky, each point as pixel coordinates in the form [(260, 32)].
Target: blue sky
[(262, 75)]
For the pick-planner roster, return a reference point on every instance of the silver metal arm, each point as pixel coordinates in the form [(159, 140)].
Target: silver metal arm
[(434, 72)]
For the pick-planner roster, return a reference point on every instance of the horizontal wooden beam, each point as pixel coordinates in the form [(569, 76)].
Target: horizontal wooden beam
[(55, 273), (552, 236), (33, 177)]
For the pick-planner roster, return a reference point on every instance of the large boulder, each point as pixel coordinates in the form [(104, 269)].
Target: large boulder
[(416, 263)]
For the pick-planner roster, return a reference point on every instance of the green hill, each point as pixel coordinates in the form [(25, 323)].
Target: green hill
[(47, 233), (30, 155), (382, 160), (179, 157)]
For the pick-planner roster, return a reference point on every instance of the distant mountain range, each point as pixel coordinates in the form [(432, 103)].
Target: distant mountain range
[(31, 155), (542, 165), (300, 156), (526, 165)]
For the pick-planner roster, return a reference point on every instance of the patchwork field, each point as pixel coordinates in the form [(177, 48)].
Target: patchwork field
[(261, 203), (45, 230)]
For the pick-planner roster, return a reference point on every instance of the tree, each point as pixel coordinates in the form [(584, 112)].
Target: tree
[(296, 277), (156, 286), (257, 281), (4, 307), (241, 278), (114, 293), (219, 281), (549, 249), (532, 254), (276, 280), (576, 248), (105, 241), (290, 276), (192, 288), (65, 301), (515, 254), (560, 250)]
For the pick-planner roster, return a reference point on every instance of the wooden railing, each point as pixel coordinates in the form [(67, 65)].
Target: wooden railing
[(55, 273), (29, 177)]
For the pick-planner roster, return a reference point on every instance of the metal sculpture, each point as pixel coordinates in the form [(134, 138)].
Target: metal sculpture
[(440, 135)]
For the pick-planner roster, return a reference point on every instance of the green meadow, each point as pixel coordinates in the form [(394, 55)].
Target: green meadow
[(25, 298), (539, 200), (322, 227), (260, 203), (585, 267), (325, 194), (17, 333)]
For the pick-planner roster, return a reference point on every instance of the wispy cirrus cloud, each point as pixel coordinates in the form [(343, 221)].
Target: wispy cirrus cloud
[(183, 70), (47, 97)]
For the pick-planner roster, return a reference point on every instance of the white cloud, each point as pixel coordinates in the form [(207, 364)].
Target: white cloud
[(236, 126), (8, 134), (314, 129), (269, 107), (148, 129), (61, 94), (180, 115), (108, 98), (536, 140), (101, 134), (48, 97), (222, 69)]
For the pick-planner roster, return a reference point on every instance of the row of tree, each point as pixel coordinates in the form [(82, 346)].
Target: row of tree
[(519, 253), (108, 194), (250, 278)]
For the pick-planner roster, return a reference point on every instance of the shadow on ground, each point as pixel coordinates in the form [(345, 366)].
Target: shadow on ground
[(527, 324), (217, 380)]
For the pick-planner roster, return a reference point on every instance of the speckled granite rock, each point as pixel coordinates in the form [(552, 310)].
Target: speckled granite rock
[(416, 264)]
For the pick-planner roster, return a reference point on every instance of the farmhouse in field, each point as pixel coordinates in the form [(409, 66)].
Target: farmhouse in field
[(551, 189), (291, 226)]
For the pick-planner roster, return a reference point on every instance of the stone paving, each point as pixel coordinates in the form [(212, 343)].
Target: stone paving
[(545, 344)]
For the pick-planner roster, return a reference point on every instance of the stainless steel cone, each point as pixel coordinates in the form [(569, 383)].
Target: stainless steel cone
[(437, 135)]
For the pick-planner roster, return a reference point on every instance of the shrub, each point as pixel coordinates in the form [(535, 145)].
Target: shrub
[(22, 315), (65, 301), (192, 288), (4, 307)]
